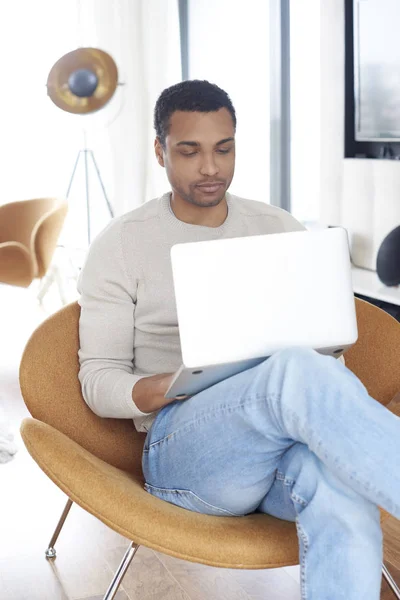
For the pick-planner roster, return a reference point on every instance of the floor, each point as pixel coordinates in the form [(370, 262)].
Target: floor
[(87, 551)]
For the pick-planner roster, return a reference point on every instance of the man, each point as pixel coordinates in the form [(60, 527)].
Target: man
[(297, 436)]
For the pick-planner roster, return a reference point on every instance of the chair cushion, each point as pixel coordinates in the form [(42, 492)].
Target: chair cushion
[(118, 499)]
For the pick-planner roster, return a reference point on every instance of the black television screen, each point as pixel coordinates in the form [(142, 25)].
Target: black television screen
[(377, 70)]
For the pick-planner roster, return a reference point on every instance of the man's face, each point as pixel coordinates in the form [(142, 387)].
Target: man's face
[(199, 156)]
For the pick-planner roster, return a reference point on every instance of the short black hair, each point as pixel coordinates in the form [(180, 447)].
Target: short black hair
[(191, 96)]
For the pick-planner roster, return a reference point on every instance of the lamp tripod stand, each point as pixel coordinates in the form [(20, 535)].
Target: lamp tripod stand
[(89, 155)]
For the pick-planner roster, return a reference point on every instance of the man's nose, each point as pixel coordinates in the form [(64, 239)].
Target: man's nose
[(209, 166)]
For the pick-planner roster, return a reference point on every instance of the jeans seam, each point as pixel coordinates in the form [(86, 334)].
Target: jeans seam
[(164, 439), (305, 540), (298, 499), (209, 414), (178, 492), (282, 477), (288, 481)]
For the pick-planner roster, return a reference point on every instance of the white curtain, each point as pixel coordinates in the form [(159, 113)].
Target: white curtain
[(39, 142)]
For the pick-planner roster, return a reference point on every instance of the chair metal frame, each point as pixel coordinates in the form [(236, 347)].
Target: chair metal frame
[(133, 548)]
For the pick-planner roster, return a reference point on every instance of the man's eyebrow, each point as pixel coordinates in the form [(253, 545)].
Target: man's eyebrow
[(230, 139), (196, 144)]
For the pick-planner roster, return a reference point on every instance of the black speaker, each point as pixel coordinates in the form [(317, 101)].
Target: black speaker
[(388, 259)]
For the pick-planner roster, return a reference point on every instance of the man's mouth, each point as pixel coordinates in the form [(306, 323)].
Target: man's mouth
[(210, 187)]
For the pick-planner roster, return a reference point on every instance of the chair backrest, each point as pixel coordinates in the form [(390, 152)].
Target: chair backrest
[(18, 219), (375, 358), (45, 235), (17, 266), (52, 393)]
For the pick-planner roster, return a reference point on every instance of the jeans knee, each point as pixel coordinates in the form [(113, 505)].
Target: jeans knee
[(293, 366), (295, 356), (314, 485)]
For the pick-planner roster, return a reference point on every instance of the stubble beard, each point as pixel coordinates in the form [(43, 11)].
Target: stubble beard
[(191, 199)]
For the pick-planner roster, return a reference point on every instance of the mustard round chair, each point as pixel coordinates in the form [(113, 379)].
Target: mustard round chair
[(29, 231), (97, 462)]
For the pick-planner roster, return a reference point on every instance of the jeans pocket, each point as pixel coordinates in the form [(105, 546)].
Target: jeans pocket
[(279, 501), (189, 500)]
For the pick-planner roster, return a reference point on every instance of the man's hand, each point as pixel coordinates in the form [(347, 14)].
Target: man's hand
[(148, 393)]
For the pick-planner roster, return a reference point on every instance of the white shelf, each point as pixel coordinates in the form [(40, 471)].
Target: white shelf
[(367, 283)]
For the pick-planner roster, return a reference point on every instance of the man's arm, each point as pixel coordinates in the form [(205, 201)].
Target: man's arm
[(106, 333)]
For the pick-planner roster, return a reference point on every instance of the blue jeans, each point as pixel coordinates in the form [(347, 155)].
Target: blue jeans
[(297, 437)]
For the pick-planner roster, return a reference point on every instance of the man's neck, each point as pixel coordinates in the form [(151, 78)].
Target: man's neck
[(213, 216)]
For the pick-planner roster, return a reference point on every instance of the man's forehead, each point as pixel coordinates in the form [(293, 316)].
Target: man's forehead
[(193, 125)]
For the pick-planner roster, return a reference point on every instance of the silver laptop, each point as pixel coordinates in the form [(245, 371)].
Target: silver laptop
[(240, 300)]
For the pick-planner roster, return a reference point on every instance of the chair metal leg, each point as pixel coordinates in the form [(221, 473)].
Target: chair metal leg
[(51, 551), (58, 278), (391, 581), (53, 275), (45, 284), (120, 572)]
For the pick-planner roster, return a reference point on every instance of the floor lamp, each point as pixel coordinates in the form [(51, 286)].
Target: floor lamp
[(84, 81), (80, 82)]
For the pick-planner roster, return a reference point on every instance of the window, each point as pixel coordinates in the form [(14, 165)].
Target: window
[(305, 108), (228, 44)]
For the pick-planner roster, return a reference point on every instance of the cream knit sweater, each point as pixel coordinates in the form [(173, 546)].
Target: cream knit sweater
[(128, 326)]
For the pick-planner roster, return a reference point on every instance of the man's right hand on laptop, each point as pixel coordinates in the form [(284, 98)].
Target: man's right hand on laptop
[(148, 393)]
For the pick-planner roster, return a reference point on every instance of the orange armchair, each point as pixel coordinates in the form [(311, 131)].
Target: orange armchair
[(29, 231), (97, 462)]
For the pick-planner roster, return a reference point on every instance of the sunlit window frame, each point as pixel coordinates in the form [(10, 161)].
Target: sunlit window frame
[(280, 172)]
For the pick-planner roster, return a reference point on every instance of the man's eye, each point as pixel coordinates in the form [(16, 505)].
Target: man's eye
[(224, 150), (188, 153)]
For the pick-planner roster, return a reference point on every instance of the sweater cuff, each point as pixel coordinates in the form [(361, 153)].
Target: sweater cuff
[(132, 411)]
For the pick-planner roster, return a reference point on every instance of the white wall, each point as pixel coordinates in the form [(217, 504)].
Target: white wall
[(370, 205), (362, 195)]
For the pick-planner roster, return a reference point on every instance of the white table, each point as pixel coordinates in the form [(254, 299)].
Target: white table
[(367, 283)]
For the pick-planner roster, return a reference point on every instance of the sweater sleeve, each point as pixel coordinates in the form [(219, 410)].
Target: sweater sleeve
[(106, 328), (290, 223)]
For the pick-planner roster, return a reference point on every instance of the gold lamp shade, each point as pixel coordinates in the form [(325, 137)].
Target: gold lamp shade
[(83, 80)]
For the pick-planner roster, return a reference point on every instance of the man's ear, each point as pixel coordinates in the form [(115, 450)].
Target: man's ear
[(159, 151)]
